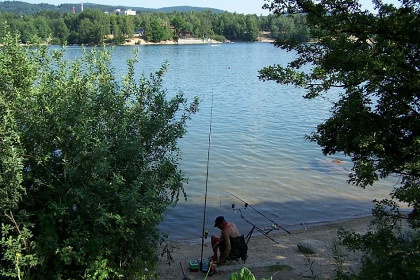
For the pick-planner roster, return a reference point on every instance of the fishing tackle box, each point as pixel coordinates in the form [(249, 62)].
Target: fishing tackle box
[(193, 265)]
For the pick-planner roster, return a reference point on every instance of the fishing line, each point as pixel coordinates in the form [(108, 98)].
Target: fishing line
[(207, 180), (247, 204)]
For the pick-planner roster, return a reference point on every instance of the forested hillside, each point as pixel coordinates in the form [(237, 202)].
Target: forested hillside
[(23, 8), (99, 24)]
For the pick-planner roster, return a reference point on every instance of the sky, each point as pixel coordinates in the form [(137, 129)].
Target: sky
[(239, 6)]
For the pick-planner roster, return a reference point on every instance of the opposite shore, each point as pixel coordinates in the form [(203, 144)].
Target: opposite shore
[(192, 41)]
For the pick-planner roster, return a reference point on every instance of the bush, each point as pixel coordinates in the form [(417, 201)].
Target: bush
[(243, 274), (88, 165), (390, 248)]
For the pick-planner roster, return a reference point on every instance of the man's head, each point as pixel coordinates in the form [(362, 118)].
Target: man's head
[(219, 220)]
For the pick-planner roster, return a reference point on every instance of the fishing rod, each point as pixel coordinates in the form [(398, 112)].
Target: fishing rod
[(264, 232), (204, 233), (247, 204)]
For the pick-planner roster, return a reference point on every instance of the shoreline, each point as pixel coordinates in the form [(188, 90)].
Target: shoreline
[(289, 227), (192, 41), (142, 42), (268, 259)]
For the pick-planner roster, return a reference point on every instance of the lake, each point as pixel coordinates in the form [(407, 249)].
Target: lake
[(258, 153)]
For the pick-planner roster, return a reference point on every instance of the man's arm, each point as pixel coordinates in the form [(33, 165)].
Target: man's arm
[(226, 252)]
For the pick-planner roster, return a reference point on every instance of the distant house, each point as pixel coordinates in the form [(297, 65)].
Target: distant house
[(185, 35), (129, 12)]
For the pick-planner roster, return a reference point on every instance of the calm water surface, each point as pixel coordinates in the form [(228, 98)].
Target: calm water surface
[(258, 151)]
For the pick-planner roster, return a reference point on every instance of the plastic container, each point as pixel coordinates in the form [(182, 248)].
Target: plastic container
[(193, 265)]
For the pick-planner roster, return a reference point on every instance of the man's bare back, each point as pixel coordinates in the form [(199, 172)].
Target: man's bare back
[(228, 230)]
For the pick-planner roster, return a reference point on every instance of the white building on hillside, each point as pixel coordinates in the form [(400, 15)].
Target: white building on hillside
[(129, 12)]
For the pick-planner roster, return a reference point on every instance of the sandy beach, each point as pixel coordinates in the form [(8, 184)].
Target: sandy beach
[(192, 41), (140, 41), (268, 259)]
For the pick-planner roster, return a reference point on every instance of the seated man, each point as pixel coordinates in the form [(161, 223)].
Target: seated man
[(227, 230)]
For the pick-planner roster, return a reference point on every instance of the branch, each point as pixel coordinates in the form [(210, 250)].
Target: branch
[(12, 219)]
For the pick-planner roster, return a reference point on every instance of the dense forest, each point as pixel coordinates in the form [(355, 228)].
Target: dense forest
[(94, 26), (23, 8)]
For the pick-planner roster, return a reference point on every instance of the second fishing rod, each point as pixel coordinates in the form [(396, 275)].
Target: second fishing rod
[(256, 210)]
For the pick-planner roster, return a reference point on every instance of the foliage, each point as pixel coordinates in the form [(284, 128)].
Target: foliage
[(159, 31), (243, 274), (23, 8), (20, 7), (92, 26), (310, 272), (89, 164), (371, 61), (246, 274), (339, 262), (391, 249)]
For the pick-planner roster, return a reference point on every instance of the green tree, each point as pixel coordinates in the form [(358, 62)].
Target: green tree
[(252, 29), (373, 59), (205, 27), (88, 165), (118, 36), (128, 26), (160, 30), (94, 26), (87, 32), (25, 26), (179, 23), (147, 31), (60, 30), (43, 29)]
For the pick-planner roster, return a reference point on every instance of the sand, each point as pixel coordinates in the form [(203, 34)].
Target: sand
[(192, 41), (268, 259)]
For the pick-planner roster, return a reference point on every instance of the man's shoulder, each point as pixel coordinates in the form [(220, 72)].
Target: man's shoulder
[(233, 226), (232, 231)]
